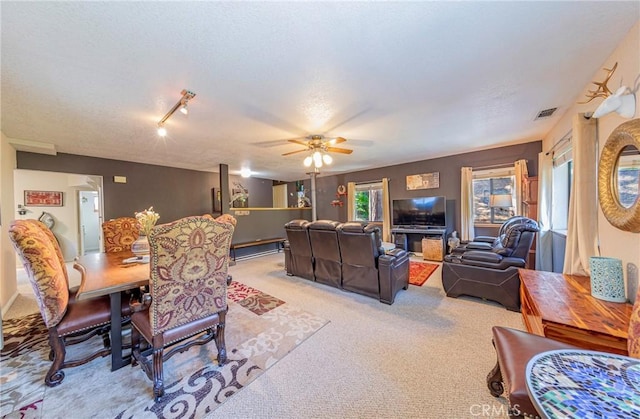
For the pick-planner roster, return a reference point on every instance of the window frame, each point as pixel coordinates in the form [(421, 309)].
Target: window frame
[(491, 174), (362, 187)]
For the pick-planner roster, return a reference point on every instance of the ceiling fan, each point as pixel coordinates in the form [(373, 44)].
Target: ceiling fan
[(319, 143)]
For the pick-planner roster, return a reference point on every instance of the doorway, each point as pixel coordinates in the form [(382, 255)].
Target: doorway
[(89, 215)]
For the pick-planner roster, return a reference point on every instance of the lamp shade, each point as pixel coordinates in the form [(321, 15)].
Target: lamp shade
[(607, 282), (500, 201)]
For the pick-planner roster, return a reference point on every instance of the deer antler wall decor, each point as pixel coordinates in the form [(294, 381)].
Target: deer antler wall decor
[(623, 101), (602, 90)]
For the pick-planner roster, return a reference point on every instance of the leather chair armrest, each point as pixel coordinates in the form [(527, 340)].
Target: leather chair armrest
[(393, 274), (490, 260), (397, 252), (474, 245), (484, 239), (141, 305), (480, 256)]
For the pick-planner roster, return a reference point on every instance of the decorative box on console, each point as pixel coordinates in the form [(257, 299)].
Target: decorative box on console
[(432, 249)]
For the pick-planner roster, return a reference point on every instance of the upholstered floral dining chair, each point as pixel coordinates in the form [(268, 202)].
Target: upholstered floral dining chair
[(68, 320), (120, 233), (187, 300)]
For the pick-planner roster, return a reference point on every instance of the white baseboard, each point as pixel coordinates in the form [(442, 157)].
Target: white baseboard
[(8, 305)]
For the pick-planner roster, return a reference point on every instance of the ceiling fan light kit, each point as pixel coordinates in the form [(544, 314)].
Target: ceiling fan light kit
[(319, 150), (187, 95)]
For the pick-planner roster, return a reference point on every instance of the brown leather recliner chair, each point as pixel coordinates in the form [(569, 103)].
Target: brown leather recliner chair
[(366, 269), (492, 275), (298, 259), (327, 267), (488, 242)]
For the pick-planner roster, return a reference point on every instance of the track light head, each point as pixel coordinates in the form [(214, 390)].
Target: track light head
[(181, 104)]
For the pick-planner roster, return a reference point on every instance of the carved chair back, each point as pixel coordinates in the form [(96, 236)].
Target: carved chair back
[(189, 264), (120, 233), (43, 262)]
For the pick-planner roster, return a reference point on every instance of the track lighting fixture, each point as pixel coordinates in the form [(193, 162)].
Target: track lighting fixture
[(181, 104)]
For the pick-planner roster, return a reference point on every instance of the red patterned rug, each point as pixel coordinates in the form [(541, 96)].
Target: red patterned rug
[(419, 272)]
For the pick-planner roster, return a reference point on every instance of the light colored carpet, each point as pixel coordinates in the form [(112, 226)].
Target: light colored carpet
[(261, 329), (425, 356)]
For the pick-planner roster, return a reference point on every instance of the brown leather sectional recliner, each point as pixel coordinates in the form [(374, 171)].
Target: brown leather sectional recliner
[(348, 256)]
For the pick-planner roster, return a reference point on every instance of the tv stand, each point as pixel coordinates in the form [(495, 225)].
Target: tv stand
[(410, 238)]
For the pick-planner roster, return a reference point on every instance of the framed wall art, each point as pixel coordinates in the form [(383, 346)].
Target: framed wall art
[(423, 181), (217, 201), (43, 199)]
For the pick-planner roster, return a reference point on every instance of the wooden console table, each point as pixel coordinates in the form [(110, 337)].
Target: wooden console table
[(561, 307)]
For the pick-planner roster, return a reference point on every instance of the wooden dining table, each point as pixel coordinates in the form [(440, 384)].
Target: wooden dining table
[(108, 274)]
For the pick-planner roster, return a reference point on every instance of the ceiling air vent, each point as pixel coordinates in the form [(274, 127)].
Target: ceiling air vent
[(546, 113)]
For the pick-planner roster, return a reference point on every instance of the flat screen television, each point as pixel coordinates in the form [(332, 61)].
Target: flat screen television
[(420, 212)]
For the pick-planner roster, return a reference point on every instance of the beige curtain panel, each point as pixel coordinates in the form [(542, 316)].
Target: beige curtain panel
[(521, 171), (467, 231), (351, 201), (386, 211), (582, 225)]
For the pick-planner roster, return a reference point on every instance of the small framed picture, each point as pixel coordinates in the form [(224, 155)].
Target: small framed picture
[(43, 199)]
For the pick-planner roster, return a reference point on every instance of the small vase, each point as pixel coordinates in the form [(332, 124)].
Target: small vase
[(140, 247)]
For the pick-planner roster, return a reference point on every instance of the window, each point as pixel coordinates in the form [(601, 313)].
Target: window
[(493, 195), (561, 184), (368, 202)]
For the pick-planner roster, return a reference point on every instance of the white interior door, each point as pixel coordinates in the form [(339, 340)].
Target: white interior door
[(90, 226), (280, 196)]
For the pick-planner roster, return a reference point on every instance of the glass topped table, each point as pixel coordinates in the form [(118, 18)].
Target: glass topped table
[(584, 384)]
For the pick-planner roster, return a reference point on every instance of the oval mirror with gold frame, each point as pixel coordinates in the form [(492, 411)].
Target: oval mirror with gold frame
[(618, 180)]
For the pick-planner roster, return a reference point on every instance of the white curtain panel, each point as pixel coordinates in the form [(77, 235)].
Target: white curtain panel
[(386, 212), (544, 249), (521, 171), (467, 231), (582, 226), (351, 201)]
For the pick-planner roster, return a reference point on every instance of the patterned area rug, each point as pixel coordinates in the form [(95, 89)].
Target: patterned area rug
[(260, 330), (419, 272)]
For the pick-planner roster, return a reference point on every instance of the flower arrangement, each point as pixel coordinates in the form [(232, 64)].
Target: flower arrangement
[(146, 220)]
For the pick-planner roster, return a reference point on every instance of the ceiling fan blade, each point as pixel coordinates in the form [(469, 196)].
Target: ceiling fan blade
[(303, 143), (336, 140), (339, 150), (293, 152)]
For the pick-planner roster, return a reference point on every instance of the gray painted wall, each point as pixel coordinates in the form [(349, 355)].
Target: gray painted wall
[(173, 193), (448, 167), (177, 193)]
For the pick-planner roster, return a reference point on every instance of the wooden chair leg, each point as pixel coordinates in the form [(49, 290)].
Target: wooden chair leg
[(158, 383), (494, 379), (55, 375), (220, 343), (135, 345)]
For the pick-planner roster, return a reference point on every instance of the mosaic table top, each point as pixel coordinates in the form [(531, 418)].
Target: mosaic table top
[(584, 384)]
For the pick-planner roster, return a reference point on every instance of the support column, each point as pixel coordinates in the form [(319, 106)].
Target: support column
[(225, 194), (313, 174)]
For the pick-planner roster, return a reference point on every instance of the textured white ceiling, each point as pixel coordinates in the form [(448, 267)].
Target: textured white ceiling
[(402, 81)]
